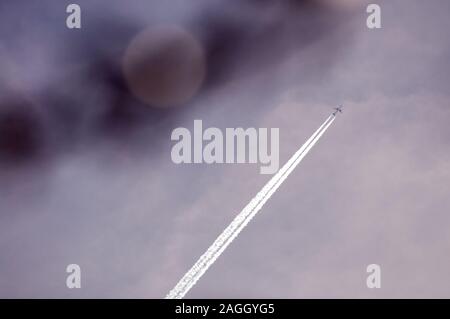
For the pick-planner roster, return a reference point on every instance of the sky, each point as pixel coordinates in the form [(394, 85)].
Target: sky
[(86, 175)]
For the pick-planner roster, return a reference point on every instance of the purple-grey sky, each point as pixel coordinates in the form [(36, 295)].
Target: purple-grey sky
[(86, 175)]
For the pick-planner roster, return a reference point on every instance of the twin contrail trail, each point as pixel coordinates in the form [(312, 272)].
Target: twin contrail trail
[(245, 216)]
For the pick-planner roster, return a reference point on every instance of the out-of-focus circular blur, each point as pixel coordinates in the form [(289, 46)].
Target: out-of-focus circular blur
[(164, 66)]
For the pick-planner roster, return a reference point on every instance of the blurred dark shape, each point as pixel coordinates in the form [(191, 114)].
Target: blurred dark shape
[(21, 133), (164, 66), (223, 41), (124, 113), (254, 35)]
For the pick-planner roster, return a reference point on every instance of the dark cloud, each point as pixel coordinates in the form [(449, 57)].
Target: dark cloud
[(22, 135)]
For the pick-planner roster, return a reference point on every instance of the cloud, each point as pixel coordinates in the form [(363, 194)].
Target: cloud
[(105, 194)]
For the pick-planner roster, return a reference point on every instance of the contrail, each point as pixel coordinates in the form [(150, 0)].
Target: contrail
[(244, 217)]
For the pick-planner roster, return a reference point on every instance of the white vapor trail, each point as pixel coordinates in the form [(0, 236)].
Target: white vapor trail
[(244, 217)]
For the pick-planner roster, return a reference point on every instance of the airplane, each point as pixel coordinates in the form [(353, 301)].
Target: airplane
[(338, 109)]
